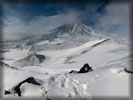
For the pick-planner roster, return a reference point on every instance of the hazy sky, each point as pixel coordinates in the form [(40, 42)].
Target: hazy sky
[(21, 20)]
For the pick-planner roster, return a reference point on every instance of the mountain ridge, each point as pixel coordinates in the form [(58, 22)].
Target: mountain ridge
[(73, 34)]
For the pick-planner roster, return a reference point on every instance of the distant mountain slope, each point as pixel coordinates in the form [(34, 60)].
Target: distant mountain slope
[(72, 34), (64, 37)]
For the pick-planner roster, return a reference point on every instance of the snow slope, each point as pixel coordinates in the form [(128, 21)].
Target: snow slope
[(107, 57)]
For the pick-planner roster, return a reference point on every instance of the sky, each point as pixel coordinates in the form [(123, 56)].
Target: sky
[(29, 19)]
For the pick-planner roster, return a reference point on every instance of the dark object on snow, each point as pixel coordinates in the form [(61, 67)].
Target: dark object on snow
[(30, 60), (86, 68), (7, 92), (40, 57), (73, 71), (3, 64), (28, 80), (128, 71)]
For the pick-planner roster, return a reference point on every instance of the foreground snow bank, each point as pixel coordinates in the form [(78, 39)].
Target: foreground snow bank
[(100, 82), (107, 79)]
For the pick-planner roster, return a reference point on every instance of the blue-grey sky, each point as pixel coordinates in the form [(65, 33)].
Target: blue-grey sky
[(21, 20)]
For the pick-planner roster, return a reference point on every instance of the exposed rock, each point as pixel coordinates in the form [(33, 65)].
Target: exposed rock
[(86, 68), (31, 60), (40, 57), (128, 71), (3, 64), (17, 87), (7, 92), (73, 71)]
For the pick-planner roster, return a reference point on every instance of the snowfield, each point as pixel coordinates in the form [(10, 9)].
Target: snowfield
[(107, 58)]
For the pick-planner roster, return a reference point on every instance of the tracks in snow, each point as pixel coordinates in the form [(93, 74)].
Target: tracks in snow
[(70, 87)]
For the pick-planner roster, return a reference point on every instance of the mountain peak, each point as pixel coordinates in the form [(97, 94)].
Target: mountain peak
[(64, 28), (74, 28)]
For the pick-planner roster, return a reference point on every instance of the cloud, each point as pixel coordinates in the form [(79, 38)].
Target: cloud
[(115, 19), (90, 15), (16, 28)]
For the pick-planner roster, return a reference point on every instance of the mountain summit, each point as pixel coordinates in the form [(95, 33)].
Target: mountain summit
[(64, 36), (74, 29)]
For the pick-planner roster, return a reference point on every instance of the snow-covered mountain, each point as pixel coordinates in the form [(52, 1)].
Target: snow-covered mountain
[(61, 37), (49, 58)]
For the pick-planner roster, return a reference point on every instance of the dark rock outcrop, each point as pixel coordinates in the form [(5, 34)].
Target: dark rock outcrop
[(73, 71), (86, 68), (7, 92), (17, 87), (128, 71), (3, 64), (30, 60), (40, 57)]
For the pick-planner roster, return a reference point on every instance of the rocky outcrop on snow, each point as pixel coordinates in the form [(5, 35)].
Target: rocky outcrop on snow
[(31, 60), (86, 68), (128, 71), (3, 64), (17, 87)]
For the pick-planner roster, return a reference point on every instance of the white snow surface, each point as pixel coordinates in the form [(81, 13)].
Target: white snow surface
[(43, 42), (106, 57)]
